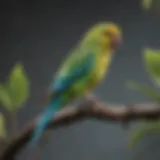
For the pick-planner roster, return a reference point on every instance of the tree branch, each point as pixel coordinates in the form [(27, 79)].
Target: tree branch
[(91, 109)]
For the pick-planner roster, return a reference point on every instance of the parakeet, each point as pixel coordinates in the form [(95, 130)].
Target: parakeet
[(82, 70)]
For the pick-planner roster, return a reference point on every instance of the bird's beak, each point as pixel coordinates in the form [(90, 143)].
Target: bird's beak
[(116, 41)]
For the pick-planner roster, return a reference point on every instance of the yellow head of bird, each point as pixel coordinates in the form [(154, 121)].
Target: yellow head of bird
[(104, 35), (111, 36)]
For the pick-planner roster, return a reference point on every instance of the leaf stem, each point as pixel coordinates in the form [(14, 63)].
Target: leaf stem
[(14, 124)]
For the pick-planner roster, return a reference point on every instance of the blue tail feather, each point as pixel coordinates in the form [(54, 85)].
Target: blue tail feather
[(43, 122)]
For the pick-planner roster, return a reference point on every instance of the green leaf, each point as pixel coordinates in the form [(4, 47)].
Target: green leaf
[(148, 129), (152, 64), (146, 4), (150, 5), (3, 132), (150, 92), (18, 86), (5, 99)]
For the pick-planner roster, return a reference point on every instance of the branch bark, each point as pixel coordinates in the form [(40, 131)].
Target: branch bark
[(90, 109)]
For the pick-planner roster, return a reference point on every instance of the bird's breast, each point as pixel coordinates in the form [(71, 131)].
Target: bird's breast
[(102, 65)]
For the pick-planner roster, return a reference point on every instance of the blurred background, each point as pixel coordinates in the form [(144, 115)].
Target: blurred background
[(40, 33)]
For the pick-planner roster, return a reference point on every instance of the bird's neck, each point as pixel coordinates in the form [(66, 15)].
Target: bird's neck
[(94, 47)]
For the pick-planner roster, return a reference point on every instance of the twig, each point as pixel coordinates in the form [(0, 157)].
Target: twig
[(92, 109)]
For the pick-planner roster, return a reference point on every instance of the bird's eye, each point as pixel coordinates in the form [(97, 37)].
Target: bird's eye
[(107, 33)]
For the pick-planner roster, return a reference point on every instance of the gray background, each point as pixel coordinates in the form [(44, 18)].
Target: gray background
[(40, 33)]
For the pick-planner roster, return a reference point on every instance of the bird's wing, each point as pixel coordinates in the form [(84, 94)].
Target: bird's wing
[(75, 67)]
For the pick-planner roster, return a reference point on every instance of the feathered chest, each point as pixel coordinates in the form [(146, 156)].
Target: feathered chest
[(103, 62)]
